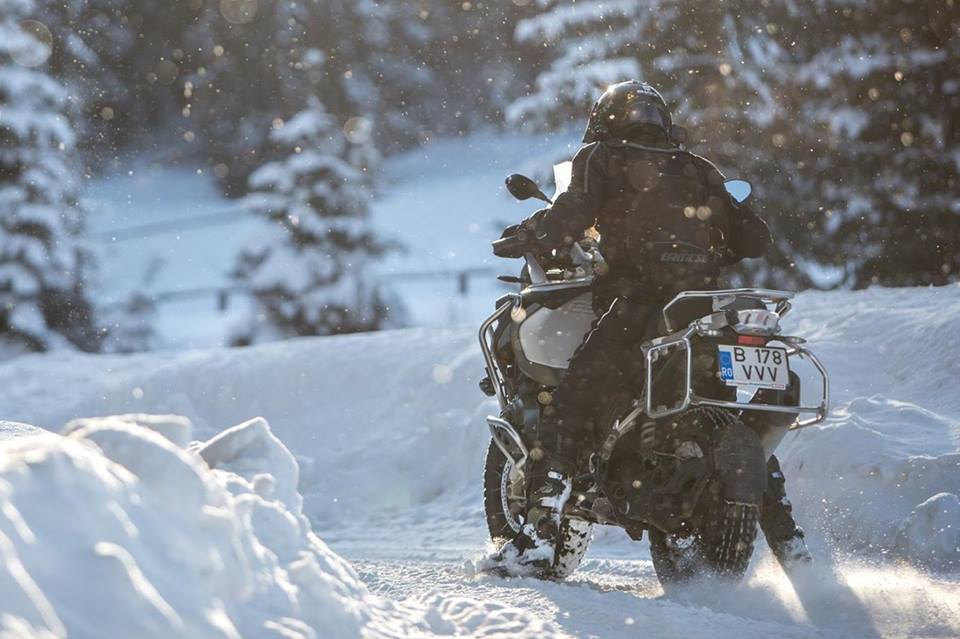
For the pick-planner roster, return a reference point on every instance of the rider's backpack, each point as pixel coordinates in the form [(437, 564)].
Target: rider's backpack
[(668, 215)]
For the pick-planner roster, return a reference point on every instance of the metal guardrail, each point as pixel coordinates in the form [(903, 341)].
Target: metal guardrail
[(222, 293), (218, 218)]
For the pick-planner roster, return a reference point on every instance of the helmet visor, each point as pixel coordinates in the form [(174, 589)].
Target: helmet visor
[(644, 112)]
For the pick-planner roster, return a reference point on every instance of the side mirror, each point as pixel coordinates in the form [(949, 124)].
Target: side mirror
[(678, 134), (523, 188), (739, 190)]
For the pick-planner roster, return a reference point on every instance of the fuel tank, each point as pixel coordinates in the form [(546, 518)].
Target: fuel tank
[(546, 338)]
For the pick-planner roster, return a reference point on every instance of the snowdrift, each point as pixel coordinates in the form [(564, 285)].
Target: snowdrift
[(388, 427), (116, 530), (882, 476)]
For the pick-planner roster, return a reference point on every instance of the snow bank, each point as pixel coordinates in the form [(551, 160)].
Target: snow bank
[(381, 424), (115, 530), (882, 476), (388, 428), (9, 430)]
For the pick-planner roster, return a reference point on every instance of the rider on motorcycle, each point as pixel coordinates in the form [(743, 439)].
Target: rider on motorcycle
[(667, 225)]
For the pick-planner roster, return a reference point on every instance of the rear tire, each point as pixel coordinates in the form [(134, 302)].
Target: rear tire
[(505, 509), (724, 550), (723, 545)]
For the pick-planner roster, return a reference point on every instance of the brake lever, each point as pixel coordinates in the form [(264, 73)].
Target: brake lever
[(537, 274)]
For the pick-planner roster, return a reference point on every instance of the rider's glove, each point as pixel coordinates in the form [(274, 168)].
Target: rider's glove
[(532, 227), (510, 231)]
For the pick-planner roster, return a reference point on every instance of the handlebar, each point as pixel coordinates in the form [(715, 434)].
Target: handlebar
[(513, 246), (580, 257)]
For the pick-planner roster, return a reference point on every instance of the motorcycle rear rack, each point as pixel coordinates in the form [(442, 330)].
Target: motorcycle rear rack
[(681, 339), (721, 298)]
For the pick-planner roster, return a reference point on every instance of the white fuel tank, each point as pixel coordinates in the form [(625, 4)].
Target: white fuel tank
[(548, 337)]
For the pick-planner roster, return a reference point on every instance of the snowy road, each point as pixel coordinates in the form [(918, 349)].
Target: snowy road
[(615, 592), (613, 598), (388, 432)]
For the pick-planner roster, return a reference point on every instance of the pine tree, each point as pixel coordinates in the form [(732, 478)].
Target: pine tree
[(43, 303), (307, 272), (310, 162), (879, 83), (409, 71), (450, 67), (256, 67), (97, 54), (129, 325)]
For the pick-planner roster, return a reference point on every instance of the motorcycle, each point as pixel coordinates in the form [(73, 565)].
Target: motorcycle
[(682, 458)]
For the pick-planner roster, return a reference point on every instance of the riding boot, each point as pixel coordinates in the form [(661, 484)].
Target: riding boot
[(532, 551), (784, 536), (549, 491)]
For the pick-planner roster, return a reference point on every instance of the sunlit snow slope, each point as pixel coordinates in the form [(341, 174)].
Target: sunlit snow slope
[(388, 429), (161, 226)]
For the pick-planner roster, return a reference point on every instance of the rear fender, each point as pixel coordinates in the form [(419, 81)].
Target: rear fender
[(740, 464), (772, 427)]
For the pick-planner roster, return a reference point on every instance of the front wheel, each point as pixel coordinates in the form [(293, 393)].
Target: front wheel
[(505, 505)]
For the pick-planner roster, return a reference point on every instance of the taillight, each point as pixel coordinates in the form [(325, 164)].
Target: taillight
[(758, 322), (751, 340)]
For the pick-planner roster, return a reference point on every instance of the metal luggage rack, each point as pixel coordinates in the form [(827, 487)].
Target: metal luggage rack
[(725, 297), (681, 339)]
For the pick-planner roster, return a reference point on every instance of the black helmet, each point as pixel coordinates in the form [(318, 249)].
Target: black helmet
[(631, 110)]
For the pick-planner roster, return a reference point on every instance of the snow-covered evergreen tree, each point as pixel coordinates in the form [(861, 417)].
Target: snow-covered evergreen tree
[(413, 71), (674, 44), (307, 271), (260, 66), (447, 68), (879, 84), (42, 258), (94, 53), (129, 325)]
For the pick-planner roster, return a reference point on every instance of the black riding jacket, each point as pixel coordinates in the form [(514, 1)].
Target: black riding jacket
[(663, 214)]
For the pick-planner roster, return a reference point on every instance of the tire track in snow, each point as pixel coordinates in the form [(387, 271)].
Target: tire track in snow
[(613, 598)]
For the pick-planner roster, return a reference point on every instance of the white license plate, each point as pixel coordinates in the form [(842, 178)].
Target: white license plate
[(755, 366)]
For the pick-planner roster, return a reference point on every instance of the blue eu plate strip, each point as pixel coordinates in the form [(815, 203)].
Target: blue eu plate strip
[(726, 365)]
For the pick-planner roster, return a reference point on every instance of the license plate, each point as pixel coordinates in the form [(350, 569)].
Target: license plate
[(754, 366)]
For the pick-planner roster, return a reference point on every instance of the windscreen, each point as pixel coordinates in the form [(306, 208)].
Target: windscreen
[(562, 174)]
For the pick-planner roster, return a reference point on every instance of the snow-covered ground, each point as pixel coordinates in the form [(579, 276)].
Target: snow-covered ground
[(389, 435)]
